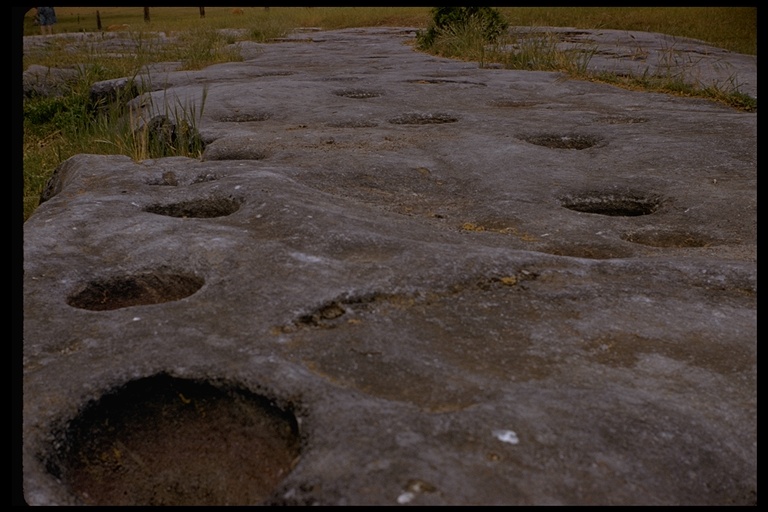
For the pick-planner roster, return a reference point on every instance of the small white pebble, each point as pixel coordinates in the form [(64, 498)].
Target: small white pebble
[(406, 497), (506, 436)]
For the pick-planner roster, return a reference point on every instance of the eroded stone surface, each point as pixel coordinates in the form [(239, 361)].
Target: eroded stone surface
[(452, 313)]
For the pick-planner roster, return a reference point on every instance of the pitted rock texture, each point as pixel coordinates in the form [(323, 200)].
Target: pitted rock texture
[(523, 290)]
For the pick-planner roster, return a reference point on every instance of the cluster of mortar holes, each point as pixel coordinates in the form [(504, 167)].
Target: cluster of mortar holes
[(205, 208), (357, 93), (612, 204), (245, 117), (162, 440), (555, 141), (668, 239), (135, 290), (423, 118), (620, 120)]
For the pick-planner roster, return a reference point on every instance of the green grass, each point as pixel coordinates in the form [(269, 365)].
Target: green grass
[(58, 128), (732, 28)]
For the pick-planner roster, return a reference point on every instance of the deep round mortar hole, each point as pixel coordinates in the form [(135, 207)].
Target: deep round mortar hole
[(357, 93), (423, 118), (667, 239), (168, 441), (560, 141), (198, 208), (136, 290), (614, 205)]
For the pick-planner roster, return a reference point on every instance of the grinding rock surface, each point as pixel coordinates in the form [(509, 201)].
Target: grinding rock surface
[(468, 285)]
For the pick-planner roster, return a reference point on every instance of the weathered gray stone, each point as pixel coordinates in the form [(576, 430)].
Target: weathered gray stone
[(475, 286), (44, 81)]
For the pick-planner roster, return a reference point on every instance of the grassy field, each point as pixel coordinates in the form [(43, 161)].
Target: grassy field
[(732, 28), (57, 128)]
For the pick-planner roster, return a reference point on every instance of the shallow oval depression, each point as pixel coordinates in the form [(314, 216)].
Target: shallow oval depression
[(198, 208), (135, 290), (357, 93), (563, 141), (168, 441), (423, 118), (612, 204), (245, 117), (586, 251)]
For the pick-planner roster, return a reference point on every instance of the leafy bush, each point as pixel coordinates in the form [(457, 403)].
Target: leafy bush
[(451, 20)]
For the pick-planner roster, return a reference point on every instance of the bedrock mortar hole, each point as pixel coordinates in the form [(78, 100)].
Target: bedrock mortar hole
[(198, 208), (357, 93), (615, 205), (168, 441), (595, 252), (423, 118), (245, 117), (568, 141), (136, 290)]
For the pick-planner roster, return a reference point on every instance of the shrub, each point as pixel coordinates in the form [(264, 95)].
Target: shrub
[(451, 20)]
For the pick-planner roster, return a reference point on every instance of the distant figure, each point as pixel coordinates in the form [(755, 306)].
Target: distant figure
[(46, 18)]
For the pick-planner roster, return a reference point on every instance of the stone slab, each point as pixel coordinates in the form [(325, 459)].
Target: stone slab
[(465, 286)]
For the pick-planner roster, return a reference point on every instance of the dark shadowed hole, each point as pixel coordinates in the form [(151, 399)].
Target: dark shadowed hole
[(620, 120), (357, 93), (354, 123), (667, 239), (198, 208), (506, 103), (168, 441), (136, 290), (423, 118), (614, 205), (556, 141), (444, 81), (341, 79)]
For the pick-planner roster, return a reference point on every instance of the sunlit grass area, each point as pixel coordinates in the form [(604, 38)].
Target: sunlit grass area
[(732, 28)]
